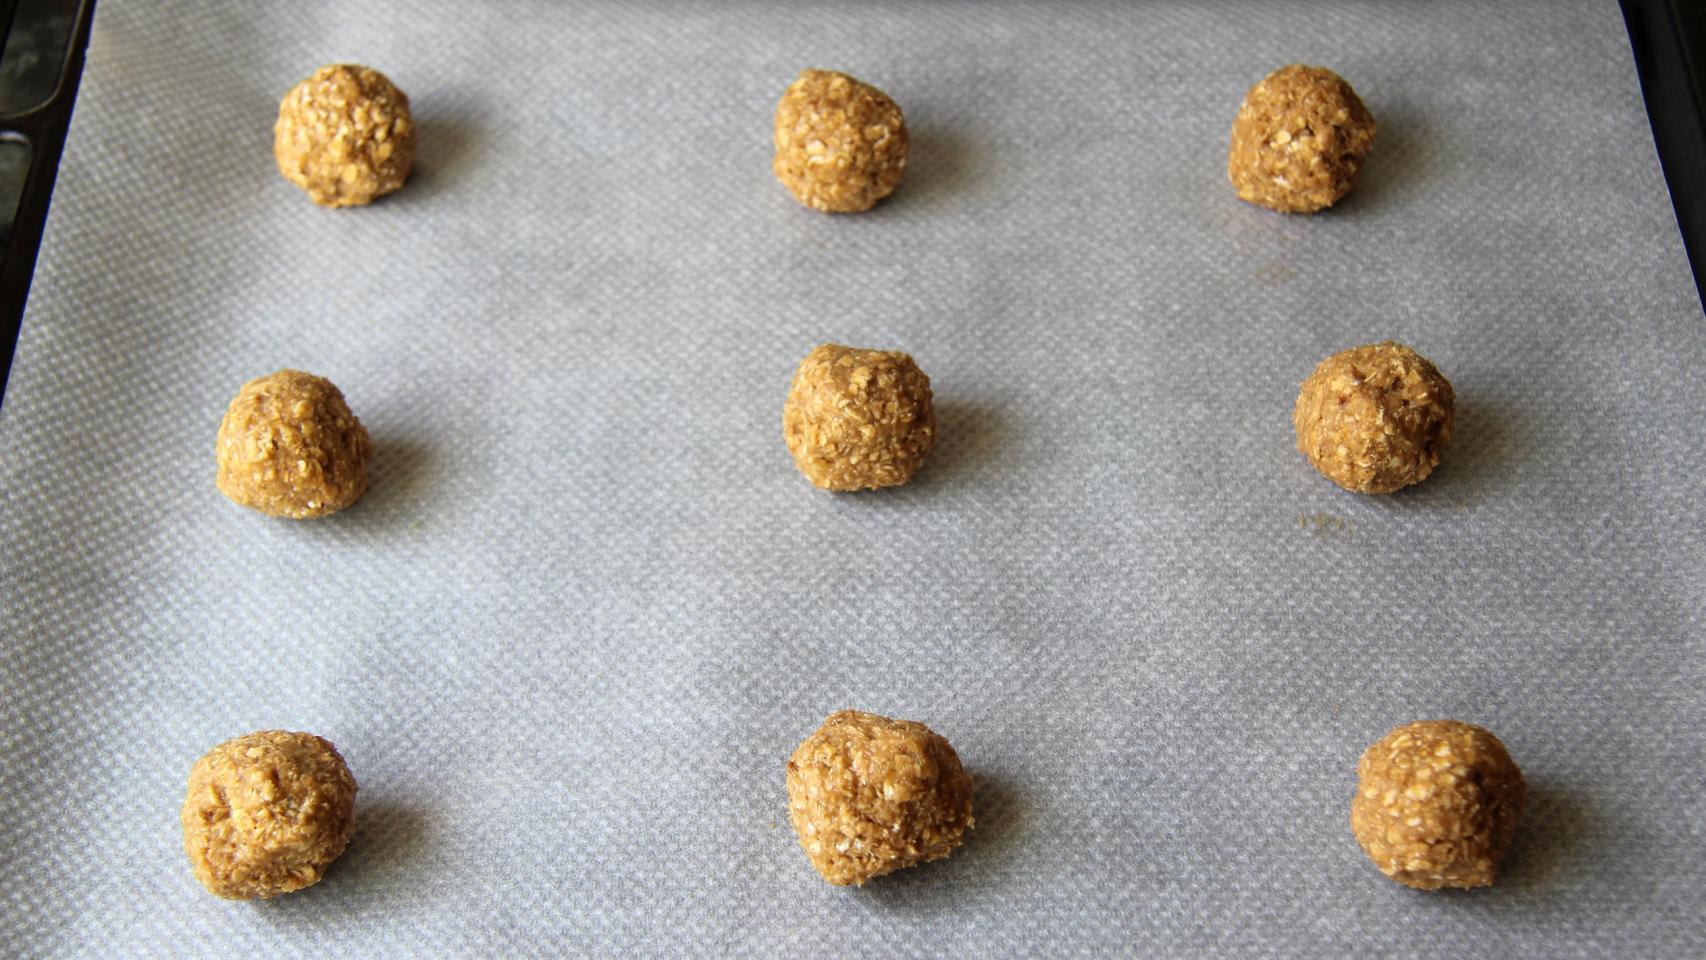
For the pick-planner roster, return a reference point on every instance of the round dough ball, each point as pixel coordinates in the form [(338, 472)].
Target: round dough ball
[(266, 814), (840, 144), (345, 136), (858, 419), (1437, 802), (869, 796), (290, 447), (1299, 139), (1373, 419)]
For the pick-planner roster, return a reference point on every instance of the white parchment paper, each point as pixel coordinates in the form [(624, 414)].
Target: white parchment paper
[(587, 607)]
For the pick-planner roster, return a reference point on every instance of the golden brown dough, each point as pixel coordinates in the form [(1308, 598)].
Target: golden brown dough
[(840, 144), (858, 419), (266, 813), (290, 447), (1437, 803), (869, 795), (345, 136), (1299, 139), (1373, 419)]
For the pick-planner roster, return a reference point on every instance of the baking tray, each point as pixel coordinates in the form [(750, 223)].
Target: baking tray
[(41, 62), (587, 607), (1669, 41)]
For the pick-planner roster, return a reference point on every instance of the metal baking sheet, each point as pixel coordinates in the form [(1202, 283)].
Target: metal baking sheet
[(588, 607)]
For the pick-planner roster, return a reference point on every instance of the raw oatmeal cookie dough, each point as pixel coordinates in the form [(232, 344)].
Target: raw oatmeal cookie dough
[(345, 136), (1299, 139), (869, 796), (858, 419), (1437, 802), (266, 814), (290, 447), (1373, 419), (840, 144)]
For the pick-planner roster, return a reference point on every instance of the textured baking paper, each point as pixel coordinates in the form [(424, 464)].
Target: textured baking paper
[(588, 607)]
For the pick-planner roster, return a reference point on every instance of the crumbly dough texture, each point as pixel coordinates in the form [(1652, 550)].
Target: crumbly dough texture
[(869, 795), (858, 419), (266, 813), (1437, 803), (290, 447), (1299, 140), (345, 136), (840, 143), (1373, 419)]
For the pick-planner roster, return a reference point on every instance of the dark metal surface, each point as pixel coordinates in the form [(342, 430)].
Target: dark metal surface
[(1669, 41), (41, 63)]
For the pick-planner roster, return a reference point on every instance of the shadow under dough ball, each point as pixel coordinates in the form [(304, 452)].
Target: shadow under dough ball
[(858, 419), (266, 813), (1437, 804), (1299, 140), (1373, 419), (869, 795), (345, 136), (290, 447), (840, 144)]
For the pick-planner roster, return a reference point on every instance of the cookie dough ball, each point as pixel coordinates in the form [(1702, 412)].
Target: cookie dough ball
[(869, 796), (1437, 802), (840, 144), (290, 447), (266, 814), (858, 419), (345, 136), (1373, 419), (1299, 139)]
